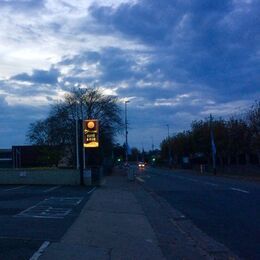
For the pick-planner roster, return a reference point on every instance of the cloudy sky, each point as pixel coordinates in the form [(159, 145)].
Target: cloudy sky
[(176, 60)]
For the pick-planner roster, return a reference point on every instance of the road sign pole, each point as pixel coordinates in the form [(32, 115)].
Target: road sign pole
[(126, 134), (81, 147)]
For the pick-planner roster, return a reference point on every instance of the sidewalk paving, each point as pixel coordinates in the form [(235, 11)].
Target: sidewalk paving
[(112, 225), (123, 221)]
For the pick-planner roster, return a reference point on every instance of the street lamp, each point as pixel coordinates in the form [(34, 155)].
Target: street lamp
[(126, 133), (152, 143), (77, 137), (169, 147)]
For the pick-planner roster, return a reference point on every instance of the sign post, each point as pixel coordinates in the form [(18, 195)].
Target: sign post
[(80, 152)]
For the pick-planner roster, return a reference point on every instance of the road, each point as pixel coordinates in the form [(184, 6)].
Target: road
[(32, 216), (226, 209)]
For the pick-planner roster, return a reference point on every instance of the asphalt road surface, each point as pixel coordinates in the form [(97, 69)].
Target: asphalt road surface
[(33, 215), (226, 209)]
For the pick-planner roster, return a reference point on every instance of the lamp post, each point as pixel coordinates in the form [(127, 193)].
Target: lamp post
[(152, 143), (126, 134), (169, 146), (213, 146), (77, 136)]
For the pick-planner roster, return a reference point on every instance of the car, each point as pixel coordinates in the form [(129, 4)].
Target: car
[(141, 165)]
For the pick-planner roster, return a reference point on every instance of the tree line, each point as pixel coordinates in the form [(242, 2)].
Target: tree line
[(237, 140)]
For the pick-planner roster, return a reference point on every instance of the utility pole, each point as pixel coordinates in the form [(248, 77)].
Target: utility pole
[(126, 134), (169, 147), (213, 146), (142, 152), (80, 151), (77, 136), (152, 143)]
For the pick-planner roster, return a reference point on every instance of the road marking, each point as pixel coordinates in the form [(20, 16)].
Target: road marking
[(53, 207), (16, 188), (91, 190), (140, 179), (244, 191), (51, 189), (45, 212), (210, 183), (39, 252), (68, 201)]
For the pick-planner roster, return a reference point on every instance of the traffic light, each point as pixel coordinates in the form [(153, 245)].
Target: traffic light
[(91, 132)]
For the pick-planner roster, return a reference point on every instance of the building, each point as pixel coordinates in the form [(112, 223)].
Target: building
[(35, 156), (6, 158)]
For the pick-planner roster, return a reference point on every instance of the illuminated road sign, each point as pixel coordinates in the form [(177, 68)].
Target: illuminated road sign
[(91, 131)]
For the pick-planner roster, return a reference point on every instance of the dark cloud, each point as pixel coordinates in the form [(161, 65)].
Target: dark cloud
[(157, 22), (215, 43), (114, 65), (39, 76), (89, 56)]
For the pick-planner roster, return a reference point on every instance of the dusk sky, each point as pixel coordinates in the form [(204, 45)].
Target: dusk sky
[(175, 60)]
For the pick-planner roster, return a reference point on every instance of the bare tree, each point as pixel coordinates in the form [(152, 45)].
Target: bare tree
[(89, 103), (253, 119)]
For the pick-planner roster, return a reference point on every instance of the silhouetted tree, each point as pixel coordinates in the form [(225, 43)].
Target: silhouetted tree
[(235, 138), (253, 119), (59, 128)]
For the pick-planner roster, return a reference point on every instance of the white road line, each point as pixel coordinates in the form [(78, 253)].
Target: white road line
[(91, 190), (39, 252), (210, 183), (16, 188), (51, 189), (140, 179), (244, 191), (22, 212)]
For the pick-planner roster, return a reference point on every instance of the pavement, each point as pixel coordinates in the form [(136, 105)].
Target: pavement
[(122, 220)]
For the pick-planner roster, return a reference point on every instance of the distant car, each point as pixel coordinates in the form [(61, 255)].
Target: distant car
[(141, 165)]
